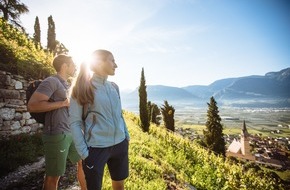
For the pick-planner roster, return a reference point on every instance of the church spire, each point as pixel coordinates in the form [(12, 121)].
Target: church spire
[(244, 130)]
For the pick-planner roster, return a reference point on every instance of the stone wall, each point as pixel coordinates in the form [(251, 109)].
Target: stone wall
[(14, 118)]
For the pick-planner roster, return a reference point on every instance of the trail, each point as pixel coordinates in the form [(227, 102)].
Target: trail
[(21, 173)]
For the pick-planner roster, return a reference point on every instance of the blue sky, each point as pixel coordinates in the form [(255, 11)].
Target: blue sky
[(178, 42)]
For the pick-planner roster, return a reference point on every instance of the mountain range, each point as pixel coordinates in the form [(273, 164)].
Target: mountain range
[(270, 90)]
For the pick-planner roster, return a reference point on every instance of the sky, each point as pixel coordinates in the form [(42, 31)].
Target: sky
[(177, 42)]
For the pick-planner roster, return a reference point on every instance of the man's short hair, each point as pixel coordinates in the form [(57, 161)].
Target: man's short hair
[(59, 60)]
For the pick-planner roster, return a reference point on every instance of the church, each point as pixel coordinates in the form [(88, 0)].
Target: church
[(241, 149)]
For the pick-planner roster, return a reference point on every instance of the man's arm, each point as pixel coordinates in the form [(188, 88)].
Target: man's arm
[(40, 103)]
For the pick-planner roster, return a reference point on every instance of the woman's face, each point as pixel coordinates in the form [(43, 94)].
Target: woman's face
[(104, 64), (110, 65)]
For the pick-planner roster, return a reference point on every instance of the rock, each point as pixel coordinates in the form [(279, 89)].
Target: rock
[(26, 129), (3, 79), (18, 116), (6, 124), (17, 132), (21, 109), (14, 102), (10, 94), (7, 113), (8, 80), (15, 125), (18, 85), (12, 83), (2, 104), (26, 115), (34, 127), (30, 121), (22, 122)]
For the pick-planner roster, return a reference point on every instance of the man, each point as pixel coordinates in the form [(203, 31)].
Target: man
[(51, 97)]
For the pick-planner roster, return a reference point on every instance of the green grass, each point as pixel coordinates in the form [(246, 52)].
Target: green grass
[(158, 154), (236, 130), (161, 160)]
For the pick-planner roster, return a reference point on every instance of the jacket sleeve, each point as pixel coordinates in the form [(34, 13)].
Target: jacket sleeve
[(76, 126), (127, 135)]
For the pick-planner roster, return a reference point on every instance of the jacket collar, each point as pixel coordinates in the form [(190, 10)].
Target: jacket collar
[(99, 79)]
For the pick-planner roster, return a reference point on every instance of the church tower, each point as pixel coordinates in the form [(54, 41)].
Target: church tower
[(245, 144)]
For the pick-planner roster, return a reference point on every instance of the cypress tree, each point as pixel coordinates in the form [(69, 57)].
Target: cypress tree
[(168, 116), (51, 36), (37, 32), (155, 114), (213, 134), (149, 107), (143, 109)]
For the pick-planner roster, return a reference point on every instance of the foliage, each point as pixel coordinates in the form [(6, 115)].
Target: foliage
[(37, 32), (19, 150), (160, 153), (168, 116), (12, 10), (19, 55), (154, 113), (143, 109), (60, 48), (213, 134), (51, 36)]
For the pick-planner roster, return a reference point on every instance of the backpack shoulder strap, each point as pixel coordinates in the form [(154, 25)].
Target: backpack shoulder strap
[(85, 111)]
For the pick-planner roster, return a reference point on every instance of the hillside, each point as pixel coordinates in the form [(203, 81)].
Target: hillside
[(19, 54), (162, 160)]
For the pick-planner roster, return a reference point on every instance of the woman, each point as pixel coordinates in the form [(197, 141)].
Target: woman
[(99, 131)]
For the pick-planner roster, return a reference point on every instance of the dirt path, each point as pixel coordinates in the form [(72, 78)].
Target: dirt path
[(30, 177), (21, 173)]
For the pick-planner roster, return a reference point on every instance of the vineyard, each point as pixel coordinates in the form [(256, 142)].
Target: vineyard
[(20, 55), (163, 160)]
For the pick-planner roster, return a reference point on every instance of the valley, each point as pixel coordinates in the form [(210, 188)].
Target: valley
[(271, 122)]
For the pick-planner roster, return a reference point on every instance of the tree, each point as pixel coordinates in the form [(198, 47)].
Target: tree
[(213, 134), (11, 11), (168, 116), (51, 36), (36, 35), (149, 105), (60, 48), (155, 114), (143, 109)]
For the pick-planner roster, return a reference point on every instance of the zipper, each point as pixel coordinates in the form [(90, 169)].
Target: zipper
[(110, 99)]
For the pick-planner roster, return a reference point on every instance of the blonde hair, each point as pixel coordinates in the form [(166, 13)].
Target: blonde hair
[(82, 88)]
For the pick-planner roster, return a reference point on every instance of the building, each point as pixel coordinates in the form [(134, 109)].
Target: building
[(241, 149)]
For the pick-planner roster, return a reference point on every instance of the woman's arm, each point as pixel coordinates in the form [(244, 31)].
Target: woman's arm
[(76, 126)]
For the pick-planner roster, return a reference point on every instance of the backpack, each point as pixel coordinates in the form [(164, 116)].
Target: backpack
[(40, 116)]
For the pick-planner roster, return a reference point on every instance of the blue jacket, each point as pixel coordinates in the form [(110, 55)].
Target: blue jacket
[(104, 124)]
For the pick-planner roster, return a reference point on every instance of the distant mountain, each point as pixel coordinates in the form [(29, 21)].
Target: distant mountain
[(271, 90), (159, 93)]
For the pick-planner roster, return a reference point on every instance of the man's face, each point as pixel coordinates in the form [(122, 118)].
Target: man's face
[(71, 69)]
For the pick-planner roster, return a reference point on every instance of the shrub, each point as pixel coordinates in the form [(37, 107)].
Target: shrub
[(19, 150)]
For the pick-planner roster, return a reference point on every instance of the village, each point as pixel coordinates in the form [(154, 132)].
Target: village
[(271, 152)]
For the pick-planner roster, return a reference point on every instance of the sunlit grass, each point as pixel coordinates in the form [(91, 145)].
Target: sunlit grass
[(159, 159)]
